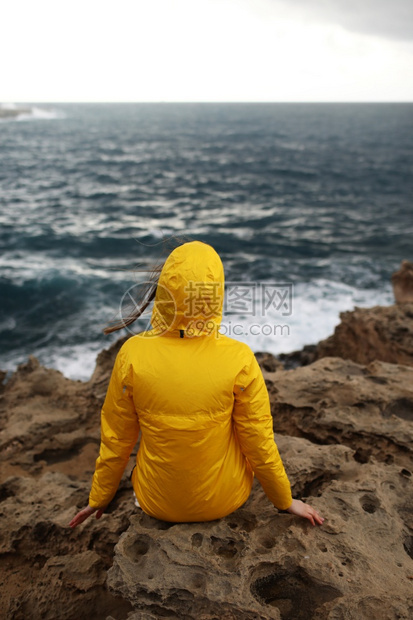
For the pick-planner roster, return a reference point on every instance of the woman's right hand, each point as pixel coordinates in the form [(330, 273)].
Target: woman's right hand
[(84, 514), (301, 509)]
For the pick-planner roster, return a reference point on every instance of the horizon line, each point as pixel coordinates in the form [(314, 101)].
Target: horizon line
[(165, 102)]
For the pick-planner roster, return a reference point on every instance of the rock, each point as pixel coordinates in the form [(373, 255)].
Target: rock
[(268, 362), (103, 369), (344, 430), (368, 334), (38, 403), (13, 112), (255, 564), (334, 401), (303, 357), (50, 570), (47, 419), (402, 281), (3, 375)]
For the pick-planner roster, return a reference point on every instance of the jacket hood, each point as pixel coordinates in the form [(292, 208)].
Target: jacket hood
[(190, 293)]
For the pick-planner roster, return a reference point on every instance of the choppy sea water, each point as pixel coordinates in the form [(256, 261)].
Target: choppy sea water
[(309, 206)]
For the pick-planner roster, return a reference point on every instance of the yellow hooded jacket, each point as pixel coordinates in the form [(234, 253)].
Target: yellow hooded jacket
[(199, 399)]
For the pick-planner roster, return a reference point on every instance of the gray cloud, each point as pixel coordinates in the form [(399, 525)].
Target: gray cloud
[(392, 19)]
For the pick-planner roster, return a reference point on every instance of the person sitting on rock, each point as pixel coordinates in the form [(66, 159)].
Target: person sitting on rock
[(200, 402)]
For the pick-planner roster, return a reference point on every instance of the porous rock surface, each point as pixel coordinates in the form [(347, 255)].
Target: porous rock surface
[(258, 564), (344, 430)]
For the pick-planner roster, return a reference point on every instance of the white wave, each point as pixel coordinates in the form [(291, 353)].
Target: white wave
[(315, 312), (76, 362), (8, 324), (41, 114), (316, 307), (22, 267), (291, 145)]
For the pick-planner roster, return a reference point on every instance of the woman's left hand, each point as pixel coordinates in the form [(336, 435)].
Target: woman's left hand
[(82, 515)]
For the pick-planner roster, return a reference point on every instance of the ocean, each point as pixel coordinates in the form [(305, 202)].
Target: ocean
[(309, 206)]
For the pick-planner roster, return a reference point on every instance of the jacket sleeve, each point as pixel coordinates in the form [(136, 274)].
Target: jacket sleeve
[(254, 428), (119, 434)]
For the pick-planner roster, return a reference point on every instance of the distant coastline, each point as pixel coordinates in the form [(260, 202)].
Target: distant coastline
[(13, 112)]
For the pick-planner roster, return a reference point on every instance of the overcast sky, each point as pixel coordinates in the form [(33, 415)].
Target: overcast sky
[(206, 50)]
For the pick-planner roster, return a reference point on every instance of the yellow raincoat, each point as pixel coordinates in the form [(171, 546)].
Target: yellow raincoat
[(199, 399)]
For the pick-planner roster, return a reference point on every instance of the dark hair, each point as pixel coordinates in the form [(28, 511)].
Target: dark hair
[(148, 295), (149, 292)]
